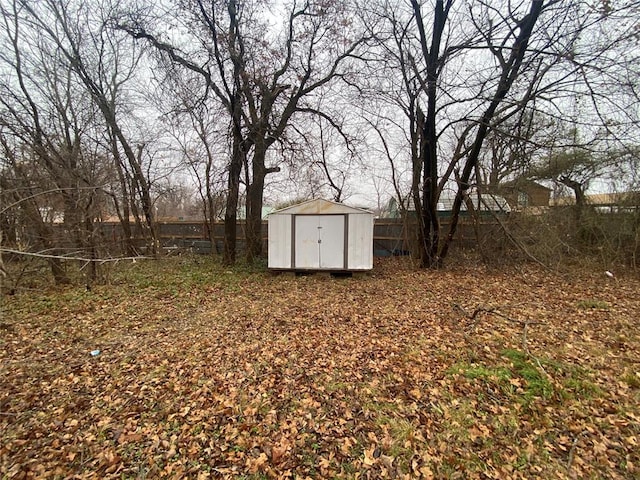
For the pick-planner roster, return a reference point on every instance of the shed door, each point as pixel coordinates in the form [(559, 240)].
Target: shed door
[(319, 241)]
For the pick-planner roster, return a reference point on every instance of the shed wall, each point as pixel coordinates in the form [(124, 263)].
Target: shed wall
[(280, 241), (360, 242)]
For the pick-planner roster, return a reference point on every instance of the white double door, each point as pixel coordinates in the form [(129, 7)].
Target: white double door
[(319, 241)]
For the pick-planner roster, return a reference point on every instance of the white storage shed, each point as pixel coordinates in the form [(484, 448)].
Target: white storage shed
[(321, 235)]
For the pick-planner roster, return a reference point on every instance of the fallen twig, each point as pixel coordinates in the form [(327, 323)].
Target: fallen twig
[(572, 451), (64, 257), (524, 323)]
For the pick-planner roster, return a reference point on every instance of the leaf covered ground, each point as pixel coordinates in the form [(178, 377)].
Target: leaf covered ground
[(206, 372)]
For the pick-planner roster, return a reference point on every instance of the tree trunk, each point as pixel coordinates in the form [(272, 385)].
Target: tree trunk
[(231, 208), (144, 191), (581, 199), (416, 173), (429, 214), (427, 211), (59, 273), (238, 157), (92, 250), (209, 203), (124, 214), (255, 195), (71, 217), (47, 239)]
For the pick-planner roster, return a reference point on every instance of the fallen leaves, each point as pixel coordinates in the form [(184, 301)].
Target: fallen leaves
[(208, 374)]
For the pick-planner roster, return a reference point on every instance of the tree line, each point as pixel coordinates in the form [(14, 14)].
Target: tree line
[(107, 106)]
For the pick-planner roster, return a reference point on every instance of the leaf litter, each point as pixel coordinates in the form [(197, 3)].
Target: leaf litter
[(209, 373)]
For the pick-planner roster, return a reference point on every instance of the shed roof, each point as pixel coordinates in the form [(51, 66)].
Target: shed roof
[(523, 184), (629, 198), (489, 203), (319, 207)]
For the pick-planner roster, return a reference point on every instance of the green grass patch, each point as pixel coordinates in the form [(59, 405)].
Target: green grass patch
[(400, 430), (576, 381), (582, 388), (593, 303), (380, 407), (518, 378), (537, 384), (475, 371), (632, 379)]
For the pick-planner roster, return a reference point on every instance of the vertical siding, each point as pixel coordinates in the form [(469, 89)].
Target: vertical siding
[(280, 241), (360, 242), (319, 242)]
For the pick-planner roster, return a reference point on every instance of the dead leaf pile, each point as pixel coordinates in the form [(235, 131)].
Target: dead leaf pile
[(209, 373)]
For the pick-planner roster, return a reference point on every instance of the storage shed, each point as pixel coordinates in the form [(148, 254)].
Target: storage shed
[(321, 235)]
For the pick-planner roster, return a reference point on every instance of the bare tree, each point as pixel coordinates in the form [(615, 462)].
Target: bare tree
[(322, 153), (51, 172), (263, 77), (469, 73), (103, 62), (201, 144)]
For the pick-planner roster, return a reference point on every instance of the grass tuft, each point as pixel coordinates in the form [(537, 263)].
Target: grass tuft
[(593, 303)]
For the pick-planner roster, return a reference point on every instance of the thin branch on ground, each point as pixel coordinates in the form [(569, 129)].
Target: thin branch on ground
[(81, 259), (572, 451), (494, 311)]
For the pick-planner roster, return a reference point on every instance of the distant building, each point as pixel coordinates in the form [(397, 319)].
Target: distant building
[(265, 212), (487, 205), (606, 202), (522, 194)]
